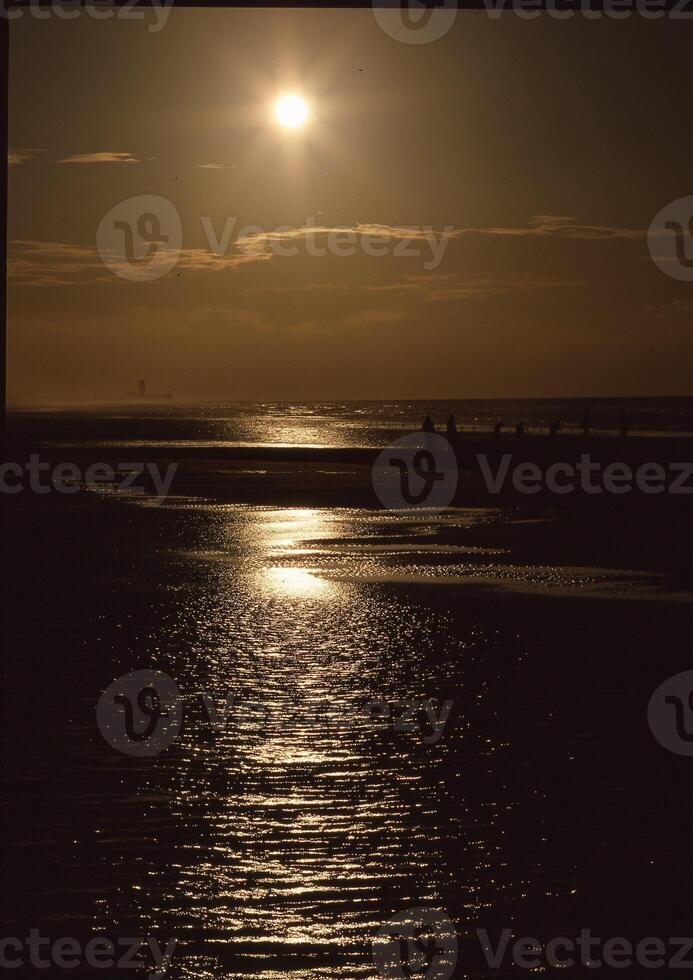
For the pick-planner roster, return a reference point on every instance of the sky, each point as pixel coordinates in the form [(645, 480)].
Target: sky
[(532, 155)]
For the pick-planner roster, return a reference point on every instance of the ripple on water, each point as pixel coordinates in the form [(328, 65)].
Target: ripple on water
[(303, 822)]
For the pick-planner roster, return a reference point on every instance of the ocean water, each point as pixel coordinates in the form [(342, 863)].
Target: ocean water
[(334, 424), (277, 844)]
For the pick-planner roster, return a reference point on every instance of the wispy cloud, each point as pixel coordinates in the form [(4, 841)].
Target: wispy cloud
[(107, 156), (539, 226), (16, 157), (412, 284), (41, 263), (438, 288), (482, 287), (216, 166), (202, 260), (35, 263), (371, 317), (553, 226)]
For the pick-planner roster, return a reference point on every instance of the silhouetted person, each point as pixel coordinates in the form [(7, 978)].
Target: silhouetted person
[(451, 429), (498, 425), (623, 423), (520, 429), (586, 421), (428, 425), (555, 428)]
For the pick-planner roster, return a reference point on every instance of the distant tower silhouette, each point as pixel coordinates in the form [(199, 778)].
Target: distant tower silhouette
[(141, 389)]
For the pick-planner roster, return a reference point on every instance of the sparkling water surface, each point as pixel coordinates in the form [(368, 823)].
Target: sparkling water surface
[(278, 842)]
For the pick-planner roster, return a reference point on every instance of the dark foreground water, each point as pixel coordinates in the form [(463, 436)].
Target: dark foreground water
[(277, 844)]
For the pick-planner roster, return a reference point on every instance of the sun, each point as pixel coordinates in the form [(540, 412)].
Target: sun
[(291, 111)]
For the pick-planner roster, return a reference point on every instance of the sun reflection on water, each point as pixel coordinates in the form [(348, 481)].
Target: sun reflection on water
[(305, 821), (295, 581)]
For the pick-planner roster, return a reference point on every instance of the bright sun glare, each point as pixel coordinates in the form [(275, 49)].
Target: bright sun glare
[(291, 111)]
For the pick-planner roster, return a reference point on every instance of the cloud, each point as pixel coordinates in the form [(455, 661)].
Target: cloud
[(104, 157), (35, 263), (372, 317), (552, 226), (437, 288), (202, 260), (43, 263), (15, 157), (215, 166), (481, 287), (539, 226), (411, 284)]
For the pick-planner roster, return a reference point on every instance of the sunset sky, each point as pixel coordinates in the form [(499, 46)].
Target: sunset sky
[(547, 147)]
